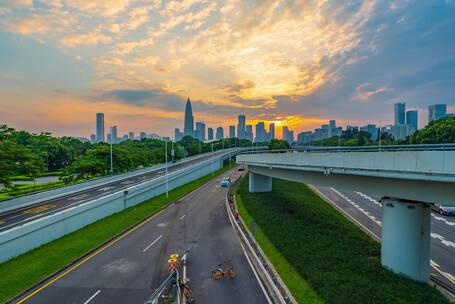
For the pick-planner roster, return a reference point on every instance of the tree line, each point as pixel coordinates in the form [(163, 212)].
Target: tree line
[(24, 153)]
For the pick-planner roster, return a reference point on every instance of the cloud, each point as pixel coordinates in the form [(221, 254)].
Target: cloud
[(100, 7), (30, 26), (365, 91), (94, 38)]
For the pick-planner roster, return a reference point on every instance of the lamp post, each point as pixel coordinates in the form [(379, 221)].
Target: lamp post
[(167, 185), (110, 152), (213, 170)]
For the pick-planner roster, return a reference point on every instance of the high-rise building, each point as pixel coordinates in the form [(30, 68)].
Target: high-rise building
[(100, 127), (131, 135), (241, 130), (260, 132), (188, 128), (93, 138), (411, 121), (177, 134), (114, 133), (200, 131), (400, 109), (288, 135), (272, 131), (332, 128), (209, 134), (372, 130), (142, 135), (249, 132), (219, 133), (436, 112), (231, 131)]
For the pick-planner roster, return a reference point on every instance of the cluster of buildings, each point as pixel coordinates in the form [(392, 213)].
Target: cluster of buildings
[(113, 136), (244, 131), (405, 123)]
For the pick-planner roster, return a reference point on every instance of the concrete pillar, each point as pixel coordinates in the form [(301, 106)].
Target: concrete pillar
[(259, 183), (405, 246)]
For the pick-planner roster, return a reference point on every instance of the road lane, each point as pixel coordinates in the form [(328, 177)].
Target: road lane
[(366, 211), (125, 273), (20, 216)]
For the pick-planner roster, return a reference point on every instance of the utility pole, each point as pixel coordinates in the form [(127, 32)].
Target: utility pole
[(167, 185), (112, 162)]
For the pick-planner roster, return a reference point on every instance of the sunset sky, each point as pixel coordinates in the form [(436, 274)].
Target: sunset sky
[(298, 63)]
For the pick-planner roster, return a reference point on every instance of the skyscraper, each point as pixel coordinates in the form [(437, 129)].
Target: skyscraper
[(231, 131), (332, 128), (200, 131), (142, 135), (131, 135), (219, 133), (260, 132), (114, 137), (177, 134), (436, 112), (241, 131), (188, 128), (209, 134), (272, 131), (288, 135), (99, 127), (400, 109), (411, 121), (249, 132)]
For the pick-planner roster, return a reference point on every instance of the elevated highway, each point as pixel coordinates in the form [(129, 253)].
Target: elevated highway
[(408, 179)]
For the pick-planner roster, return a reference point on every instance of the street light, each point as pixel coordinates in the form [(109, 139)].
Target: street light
[(213, 170), (112, 162), (167, 185)]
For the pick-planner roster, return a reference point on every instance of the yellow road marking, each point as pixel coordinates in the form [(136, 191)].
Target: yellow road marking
[(2, 222), (88, 258), (39, 209)]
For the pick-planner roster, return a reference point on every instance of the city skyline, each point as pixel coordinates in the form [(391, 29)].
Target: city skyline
[(140, 61)]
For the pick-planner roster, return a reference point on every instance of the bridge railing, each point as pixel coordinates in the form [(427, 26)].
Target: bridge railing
[(383, 148)]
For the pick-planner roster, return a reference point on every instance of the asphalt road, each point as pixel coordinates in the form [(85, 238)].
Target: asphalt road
[(366, 210), (131, 268), (20, 216)]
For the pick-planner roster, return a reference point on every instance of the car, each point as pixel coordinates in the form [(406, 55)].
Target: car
[(443, 210), (225, 182), (241, 168)]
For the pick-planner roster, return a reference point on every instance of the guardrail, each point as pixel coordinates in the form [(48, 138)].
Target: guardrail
[(30, 235), (383, 148)]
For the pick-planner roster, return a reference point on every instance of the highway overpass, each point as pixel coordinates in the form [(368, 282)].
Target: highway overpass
[(407, 178)]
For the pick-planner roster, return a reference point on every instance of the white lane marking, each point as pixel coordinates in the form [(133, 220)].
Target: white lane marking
[(435, 266), (127, 182), (162, 171), (93, 296), (443, 220), (443, 240), (106, 188), (357, 206), (368, 198), (182, 217), (148, 247)]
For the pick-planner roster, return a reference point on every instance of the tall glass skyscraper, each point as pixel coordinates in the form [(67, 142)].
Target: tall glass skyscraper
[(411, 121), (188, 128), (231, 131), (436, 112), (400, 109), (100, 127), (209, 134), (241, 131)]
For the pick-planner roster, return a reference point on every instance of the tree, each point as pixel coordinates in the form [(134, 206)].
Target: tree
[(437, 132), (277, 144)]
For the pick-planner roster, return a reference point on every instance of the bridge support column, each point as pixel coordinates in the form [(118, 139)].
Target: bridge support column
[(405, 246), (259, 183)]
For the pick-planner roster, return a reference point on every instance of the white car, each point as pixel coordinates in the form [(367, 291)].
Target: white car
[(225, 182)]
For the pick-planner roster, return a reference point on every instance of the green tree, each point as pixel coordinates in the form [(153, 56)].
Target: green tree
[(277, 144), (437, 132)]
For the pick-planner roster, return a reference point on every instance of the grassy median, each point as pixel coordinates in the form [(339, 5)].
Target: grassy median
[(315, 248), (25, 270)]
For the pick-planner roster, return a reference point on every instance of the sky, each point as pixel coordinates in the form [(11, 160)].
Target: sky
[(295, 63)]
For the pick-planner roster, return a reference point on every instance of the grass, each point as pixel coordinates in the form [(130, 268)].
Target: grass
[(324, 250), (299, 288), (25, 270)]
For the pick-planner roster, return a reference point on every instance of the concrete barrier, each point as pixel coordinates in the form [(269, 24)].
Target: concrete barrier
[(30, 235)]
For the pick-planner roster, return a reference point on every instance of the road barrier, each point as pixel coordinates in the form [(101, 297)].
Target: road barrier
[(30, 235)]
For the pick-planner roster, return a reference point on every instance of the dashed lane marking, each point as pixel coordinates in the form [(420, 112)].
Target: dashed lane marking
[(153, 243), (93, 296)]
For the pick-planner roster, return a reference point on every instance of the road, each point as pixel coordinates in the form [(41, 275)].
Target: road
[(129, 269), (365, 210), (20, 216)]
